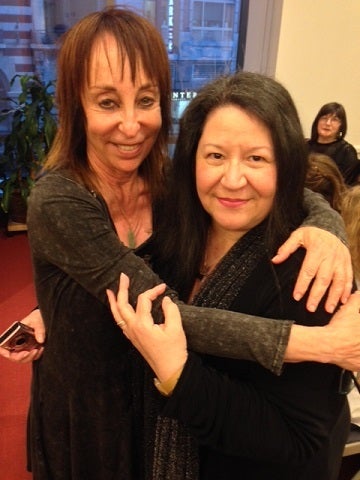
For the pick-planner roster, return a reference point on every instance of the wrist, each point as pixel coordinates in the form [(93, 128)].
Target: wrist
[(166, 365), (312, 344), (167, 387)]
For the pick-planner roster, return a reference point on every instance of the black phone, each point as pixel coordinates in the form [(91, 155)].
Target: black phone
[(19, 337)]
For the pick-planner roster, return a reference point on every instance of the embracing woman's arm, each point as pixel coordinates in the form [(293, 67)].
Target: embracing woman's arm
[(337, 342), (70, 227)]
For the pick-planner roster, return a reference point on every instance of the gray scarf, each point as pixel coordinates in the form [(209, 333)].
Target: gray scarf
[(176, 451)]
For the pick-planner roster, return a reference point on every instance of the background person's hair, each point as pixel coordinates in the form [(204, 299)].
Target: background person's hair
[(187, 221), (141, 43), (350, 211), (323, 176), (332, 108)]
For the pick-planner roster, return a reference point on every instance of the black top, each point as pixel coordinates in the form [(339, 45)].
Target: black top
[(251, 424), (343, 154)]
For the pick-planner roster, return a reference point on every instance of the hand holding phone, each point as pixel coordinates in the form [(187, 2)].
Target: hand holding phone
[(19, 337)]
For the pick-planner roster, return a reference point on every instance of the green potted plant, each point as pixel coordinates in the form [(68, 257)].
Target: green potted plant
[(33, 127)]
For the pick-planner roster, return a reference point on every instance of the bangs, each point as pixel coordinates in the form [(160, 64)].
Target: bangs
[(332, 108)]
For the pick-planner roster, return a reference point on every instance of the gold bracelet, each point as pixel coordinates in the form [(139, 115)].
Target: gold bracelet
[(166, 388)]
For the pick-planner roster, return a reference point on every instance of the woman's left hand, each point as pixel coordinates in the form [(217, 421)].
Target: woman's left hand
[(327, 261), (34, 320), (163, 346)]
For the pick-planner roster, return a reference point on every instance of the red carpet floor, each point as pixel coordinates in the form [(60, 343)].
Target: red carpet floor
[(17, 298)]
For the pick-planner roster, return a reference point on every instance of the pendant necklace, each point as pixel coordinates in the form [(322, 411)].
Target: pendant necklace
[(131, 233), (131, 239), (136, 229)]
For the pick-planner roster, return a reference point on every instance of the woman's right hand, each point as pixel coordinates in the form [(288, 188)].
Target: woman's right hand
[(163, 346), (34, 320)]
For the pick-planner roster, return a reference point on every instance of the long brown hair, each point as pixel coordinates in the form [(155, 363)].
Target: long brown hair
[(350, 210), (141, 43), (323, 176)]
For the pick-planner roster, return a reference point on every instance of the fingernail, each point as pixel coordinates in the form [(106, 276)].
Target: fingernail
[(297, 296), (311, 308)]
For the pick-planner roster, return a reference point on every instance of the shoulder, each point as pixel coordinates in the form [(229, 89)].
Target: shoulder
[(269, 284), (58, 184), (348, 147), (285, 275), (57, 180), (342, 145), (288, 270), (269, 292), (58, 194)]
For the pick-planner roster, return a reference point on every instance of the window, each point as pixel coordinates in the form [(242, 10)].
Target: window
[(204, 39)]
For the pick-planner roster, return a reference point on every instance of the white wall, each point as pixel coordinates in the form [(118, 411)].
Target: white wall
[(318, 58)]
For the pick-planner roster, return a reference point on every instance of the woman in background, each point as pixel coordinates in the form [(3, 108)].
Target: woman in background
[(328, 133)]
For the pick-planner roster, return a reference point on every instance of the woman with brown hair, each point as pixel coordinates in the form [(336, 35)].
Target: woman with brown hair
[(323, 176)]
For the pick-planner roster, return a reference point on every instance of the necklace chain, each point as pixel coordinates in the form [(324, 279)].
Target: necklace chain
[(132, 231), (138, 224), (207, 267)]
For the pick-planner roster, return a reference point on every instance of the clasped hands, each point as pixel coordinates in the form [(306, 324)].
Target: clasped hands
[(163, 346)]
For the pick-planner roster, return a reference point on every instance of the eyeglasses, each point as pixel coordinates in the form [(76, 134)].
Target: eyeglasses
[(330, 118)]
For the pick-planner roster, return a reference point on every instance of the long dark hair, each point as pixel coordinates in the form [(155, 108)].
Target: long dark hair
[(182, 238), (141, 43), (331, 108)]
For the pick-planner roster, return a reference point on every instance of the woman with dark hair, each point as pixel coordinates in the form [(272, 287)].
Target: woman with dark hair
[(328, 137), (235, 198)]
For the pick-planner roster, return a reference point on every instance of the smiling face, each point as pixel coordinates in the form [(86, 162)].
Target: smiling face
[(328, 128), (235, 170), (123, 118)]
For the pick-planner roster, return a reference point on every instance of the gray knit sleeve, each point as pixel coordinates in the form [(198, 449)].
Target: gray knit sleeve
[(224, 333), (321, 215)]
